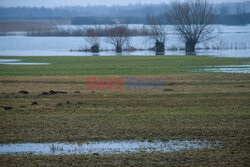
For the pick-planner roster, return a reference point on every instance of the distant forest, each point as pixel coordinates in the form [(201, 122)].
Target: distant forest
[(228, 13)]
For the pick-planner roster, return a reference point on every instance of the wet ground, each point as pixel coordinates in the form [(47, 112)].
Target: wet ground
[(17, 62), (102, 147), (230, 69)]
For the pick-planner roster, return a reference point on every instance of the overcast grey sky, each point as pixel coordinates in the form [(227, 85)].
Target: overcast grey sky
[(53, 3)]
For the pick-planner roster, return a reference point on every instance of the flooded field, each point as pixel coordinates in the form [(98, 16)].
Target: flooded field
[(233, 41), (50, 117), (102, 147)]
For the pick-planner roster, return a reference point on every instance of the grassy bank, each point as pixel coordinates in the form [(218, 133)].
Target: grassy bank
[(116, 65)]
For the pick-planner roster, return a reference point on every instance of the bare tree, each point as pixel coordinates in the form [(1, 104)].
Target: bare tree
[(192, 20), (157, 32), (93, 38), (118, 35)]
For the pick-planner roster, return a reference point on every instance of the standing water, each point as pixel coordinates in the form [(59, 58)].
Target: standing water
[(101, 147), (233, 41)]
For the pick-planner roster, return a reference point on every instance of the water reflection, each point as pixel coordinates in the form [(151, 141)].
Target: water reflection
[(16, 62), (216, 53), (102, 147)]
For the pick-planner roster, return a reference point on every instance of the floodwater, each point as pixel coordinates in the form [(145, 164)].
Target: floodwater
[(233, 41), (101, 147), (17, 62)]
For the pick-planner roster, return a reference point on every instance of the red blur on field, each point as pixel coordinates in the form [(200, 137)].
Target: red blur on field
[(93, 83)]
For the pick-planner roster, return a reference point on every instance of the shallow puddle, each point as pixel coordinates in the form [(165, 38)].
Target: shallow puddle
[(230, 69), (102, 147), (8, 60), (16, 62), (25, 63)]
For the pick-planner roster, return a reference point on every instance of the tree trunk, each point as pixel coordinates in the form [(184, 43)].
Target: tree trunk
[(190, 46), (159, 46), (118, 49), (95, 48)]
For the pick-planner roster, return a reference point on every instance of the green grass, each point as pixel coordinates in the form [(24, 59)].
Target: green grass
[(116, 65)]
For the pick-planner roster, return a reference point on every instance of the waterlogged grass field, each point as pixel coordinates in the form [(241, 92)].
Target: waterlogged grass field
[(116, 65), (193, 104)]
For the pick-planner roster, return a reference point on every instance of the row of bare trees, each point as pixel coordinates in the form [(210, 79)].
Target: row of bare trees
[(192, 20), (117, 35)]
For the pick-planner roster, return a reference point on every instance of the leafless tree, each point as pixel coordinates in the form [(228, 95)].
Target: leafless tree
[(118, 35), (193, 21), (93, 38), (157, 31)]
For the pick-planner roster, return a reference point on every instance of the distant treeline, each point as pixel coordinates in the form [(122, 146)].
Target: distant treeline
[(229, 13), (236, 19), (106, 20)]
